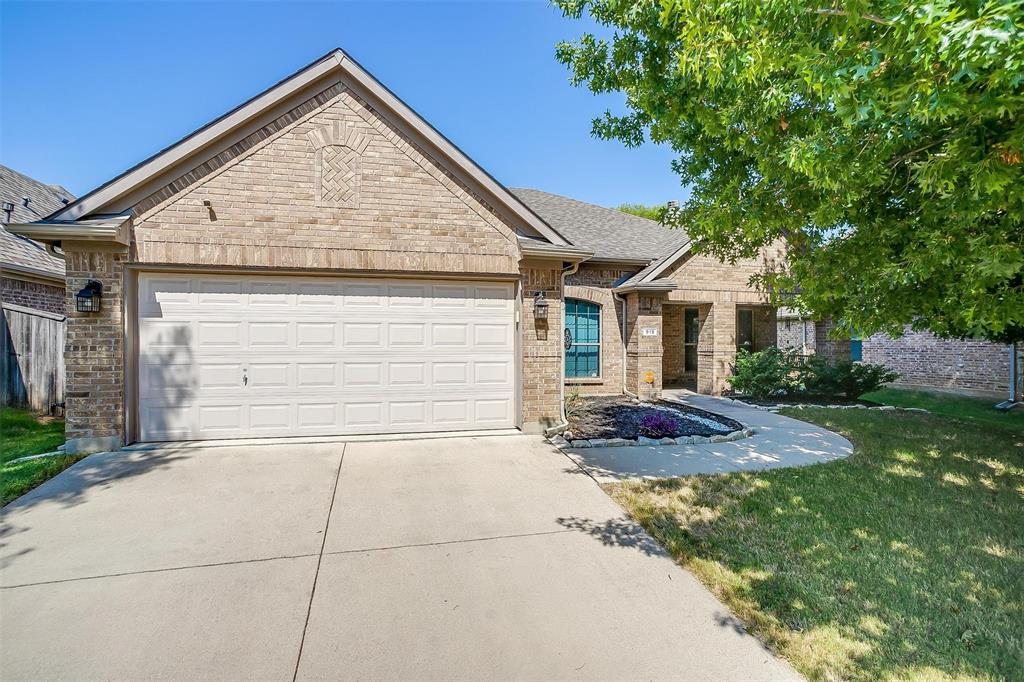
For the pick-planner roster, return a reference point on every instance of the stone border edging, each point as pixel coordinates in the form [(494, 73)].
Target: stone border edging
[(560, 442), (801, 406)]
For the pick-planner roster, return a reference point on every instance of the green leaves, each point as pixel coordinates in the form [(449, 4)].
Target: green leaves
[(883, 140)]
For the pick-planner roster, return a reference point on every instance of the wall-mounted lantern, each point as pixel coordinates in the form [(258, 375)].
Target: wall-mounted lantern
[(88, 299), (540, 306)]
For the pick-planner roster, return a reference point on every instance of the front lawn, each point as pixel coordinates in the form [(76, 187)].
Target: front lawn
[(951, 405), (22, 434), (904, 561)]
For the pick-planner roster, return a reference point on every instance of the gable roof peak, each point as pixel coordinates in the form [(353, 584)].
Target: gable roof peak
[(116, 195)]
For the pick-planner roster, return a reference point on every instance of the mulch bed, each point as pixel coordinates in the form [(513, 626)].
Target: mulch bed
[(620, 417)]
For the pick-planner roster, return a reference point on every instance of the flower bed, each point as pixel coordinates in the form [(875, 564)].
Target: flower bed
[(617, 420)]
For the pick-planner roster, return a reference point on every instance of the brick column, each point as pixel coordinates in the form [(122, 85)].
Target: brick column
[(94, 351), (716, 347), (542, 347), (644, 352)]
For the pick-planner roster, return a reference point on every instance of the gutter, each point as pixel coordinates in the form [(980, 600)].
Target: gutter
[(552, 251), (656, 287), (35, 273), (564, 420), (101, 229), (619, 297)]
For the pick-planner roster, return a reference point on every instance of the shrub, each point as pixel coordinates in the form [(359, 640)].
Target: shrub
[(764, 374), (658, 425), (574, 404), (845, 379)]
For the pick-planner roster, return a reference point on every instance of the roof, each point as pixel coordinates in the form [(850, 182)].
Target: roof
[(119, 193), (19, 253), (608, 232)]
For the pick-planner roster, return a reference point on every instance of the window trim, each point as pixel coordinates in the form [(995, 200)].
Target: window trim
[(599, 377)]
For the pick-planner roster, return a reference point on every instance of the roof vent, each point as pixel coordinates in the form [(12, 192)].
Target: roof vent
[(24, 201), (65, 201)]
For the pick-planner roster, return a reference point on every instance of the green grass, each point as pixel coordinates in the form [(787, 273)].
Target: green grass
[(951, 405), (21, 434), (904, 561)]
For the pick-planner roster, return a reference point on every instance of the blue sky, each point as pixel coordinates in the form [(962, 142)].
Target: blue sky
[(89, 89)]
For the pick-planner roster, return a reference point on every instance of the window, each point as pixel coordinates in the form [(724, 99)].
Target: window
[(745, 329), (583, 333)]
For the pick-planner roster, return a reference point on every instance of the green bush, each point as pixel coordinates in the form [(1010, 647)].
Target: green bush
[(774, 373), (765, 374), (849, 380)]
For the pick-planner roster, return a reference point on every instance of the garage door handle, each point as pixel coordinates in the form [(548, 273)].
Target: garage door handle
[(245, 378)]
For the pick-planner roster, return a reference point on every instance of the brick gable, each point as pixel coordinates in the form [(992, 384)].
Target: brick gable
[(335, 188)]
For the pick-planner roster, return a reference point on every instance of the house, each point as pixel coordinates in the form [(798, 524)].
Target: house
[(923, 360), (321, 261), (32, 296), (31, 276)]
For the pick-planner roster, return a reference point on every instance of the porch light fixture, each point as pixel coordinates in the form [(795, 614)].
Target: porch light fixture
[(540, 306), (88, 299)]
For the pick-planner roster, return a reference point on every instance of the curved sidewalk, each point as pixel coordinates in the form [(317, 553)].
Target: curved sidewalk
[(778, 442)]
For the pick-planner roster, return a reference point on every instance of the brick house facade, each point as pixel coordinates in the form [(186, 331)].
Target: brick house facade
[(329, 175), (923, 360)]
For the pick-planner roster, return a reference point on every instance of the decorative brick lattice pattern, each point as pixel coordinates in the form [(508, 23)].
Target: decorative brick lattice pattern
[(339, 176)]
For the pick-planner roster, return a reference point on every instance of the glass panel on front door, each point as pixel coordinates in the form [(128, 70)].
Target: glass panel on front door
[(691, 332)]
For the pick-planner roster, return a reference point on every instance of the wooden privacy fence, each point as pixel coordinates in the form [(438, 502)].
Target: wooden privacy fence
[(32, 358)]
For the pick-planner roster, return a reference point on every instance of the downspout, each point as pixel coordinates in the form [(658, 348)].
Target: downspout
[(622, 299), (564, 421)]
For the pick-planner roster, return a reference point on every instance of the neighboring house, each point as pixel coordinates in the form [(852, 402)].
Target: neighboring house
[(32, 294), (922, 359), (321, 261)]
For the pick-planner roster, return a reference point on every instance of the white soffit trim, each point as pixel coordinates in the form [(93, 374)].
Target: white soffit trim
[(120, 186)]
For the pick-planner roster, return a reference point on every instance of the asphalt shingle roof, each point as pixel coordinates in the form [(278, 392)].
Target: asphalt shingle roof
[(43, 200), (608, 232)]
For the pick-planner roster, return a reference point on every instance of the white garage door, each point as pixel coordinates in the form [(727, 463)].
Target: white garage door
[(250, 356)]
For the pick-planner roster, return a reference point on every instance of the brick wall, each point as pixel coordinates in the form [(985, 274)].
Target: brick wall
[(94, 352), (673, 359), (36, 295), (542, 346), (925, 360), (402, 210), (592, 283)]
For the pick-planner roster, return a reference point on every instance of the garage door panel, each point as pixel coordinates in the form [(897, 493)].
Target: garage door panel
[(322, 356)]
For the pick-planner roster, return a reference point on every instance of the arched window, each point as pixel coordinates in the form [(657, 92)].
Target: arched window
[(583, 327)]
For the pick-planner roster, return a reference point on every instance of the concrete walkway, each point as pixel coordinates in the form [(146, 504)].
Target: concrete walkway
[(450, 559), (778, 442)]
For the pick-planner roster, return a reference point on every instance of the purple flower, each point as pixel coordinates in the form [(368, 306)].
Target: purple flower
[(658, 425)]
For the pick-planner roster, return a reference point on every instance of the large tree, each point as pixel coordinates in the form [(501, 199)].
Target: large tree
[(882, 140)]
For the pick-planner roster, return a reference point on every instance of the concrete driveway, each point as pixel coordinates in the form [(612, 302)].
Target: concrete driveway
[(434, 559)]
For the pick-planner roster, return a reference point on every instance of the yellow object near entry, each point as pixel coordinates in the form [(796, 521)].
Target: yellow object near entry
[(649, 377)]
